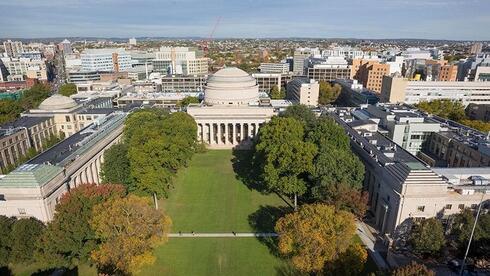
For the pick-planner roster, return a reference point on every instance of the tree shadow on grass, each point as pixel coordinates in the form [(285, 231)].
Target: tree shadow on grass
[(264, 221), (246, 171)]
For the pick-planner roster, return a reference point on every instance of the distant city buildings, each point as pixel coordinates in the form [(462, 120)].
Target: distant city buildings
[(106, 60), (65, 47), (299, 58), (13, 48), (328, 69), (476, 48), (132, 41), (274, 68), (370, 73), (180, 61)]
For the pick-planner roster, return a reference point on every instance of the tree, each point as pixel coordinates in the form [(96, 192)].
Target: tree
[(427, 237), (452, 110), (24, 235), (476, 124), (276, 93), (328, 93), (413, 269), (116, 166), (462, 225), (188, 100), (301, 113), (284, 157), (69, 239), (68, 89), (315, 235), (9, 110), (335, 166), (351, 262), (327, 132), (344, 198), (6, 224), (129, 229)]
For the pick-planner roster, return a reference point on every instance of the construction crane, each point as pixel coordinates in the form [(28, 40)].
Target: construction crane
[(205, 43)]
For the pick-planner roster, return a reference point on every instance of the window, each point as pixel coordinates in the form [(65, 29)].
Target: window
[(461, 206), (421, 208), (67, 118), (448, 206)]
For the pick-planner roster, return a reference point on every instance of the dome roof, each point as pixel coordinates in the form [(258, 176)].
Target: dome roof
[(231, 86), (57, 102)]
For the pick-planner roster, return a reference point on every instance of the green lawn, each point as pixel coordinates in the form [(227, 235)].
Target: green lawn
[(209, 197)]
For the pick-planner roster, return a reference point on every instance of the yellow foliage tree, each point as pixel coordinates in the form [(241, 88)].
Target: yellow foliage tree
[(351, 262), (129, 228), (314, 235)]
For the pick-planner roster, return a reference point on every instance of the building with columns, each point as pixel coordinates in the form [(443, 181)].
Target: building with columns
[(231, 113), (34, 188)]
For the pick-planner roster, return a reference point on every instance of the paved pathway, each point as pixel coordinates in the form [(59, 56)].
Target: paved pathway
[(221, 235), (369, 240)]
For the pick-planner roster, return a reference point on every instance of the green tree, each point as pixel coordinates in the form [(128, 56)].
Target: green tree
[(351, 262), (9, 110), (335, 166), (6, 224), (413, 269), (328, 93), (284, 157), (452, 110), (116, 166), (427, 237), (476, 124), (68, 89), (276, 93), (188, 100), (462, 225), (301, 113), (69, 239), (315, 235), (129, 229), (328, 133), (24, 235)]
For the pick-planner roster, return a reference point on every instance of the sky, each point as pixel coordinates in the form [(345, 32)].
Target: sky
[(427, 19)]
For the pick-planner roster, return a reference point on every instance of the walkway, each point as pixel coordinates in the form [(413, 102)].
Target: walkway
[(369, 240), (221, 235)]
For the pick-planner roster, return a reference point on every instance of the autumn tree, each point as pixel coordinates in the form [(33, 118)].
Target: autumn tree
[(413, 269), (6, 224), (315, 235), (116, 166), (284, 157), (427, 237), (349, 263), (328, 93), (24, 235), (69, 239), (129, 229), (344, 198), (452, 110), (68, 89)]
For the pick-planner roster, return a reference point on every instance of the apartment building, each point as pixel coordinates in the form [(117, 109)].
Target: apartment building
[(303, 91), (370, 73), (13, 48), (180, 61)]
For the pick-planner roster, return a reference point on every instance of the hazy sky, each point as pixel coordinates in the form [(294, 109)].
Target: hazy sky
[(433, 19)]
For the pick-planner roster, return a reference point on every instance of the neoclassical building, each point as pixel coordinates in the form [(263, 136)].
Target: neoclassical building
[(231, 113)]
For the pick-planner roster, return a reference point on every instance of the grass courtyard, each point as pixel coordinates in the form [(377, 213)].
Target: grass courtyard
[(208, 198)]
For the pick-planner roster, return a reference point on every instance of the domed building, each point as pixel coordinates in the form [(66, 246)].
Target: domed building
[(230, 115), (58, 102)]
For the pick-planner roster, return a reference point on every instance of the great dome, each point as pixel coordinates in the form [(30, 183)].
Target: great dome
[(231, 86), (57, 102)]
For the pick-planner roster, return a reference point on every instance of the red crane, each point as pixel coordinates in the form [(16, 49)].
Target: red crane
[(205, 43)]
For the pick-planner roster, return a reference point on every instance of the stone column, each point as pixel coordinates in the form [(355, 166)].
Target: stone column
[(218, 131), (211, 134), (236, 127), (226, 134), (242, 132), (96, 172)]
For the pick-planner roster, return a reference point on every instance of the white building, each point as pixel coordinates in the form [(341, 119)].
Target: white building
[(132, 41), (348, 52), (65, 46), (274, 68), (107, 60), (231, 114), (303, 91), (180, 60), (13, 48), (400, 90), (20, 68), (416, 53), (300, 55)]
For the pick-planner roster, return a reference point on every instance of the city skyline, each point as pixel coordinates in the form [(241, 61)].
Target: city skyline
[(378, 19)]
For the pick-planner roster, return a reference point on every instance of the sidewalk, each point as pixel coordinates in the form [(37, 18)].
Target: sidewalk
[(221, 235), (369, 241)]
